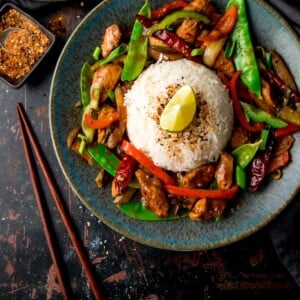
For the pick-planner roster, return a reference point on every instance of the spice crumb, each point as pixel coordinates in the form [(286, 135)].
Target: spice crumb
[(23, 47)]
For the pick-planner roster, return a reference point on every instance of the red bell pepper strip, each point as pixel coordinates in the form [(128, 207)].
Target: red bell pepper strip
[(167, 8), (223, 27), (257, 127), (175, 42), (290, 128), (202, 193), (146, 162), (242, 90), (103, 123), (124, 173)]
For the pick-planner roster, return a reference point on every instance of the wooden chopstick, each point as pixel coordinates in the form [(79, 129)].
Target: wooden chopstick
[(28, 136)]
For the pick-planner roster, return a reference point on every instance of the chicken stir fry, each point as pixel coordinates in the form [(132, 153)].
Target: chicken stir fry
[(266, 108)]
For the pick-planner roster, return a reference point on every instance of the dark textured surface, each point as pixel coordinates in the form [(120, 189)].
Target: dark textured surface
[(248, 269)]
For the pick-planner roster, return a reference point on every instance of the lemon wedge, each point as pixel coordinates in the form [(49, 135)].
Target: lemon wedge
[(180, 110)]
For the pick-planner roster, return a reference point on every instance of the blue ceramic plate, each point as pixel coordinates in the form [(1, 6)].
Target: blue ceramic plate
[(256, 211)]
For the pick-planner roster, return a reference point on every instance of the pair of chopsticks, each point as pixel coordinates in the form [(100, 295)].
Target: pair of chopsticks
[(28, 138)]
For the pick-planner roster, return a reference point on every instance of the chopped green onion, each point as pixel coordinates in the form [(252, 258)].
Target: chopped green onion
[(197, 51), (83, 143), (96, 53)]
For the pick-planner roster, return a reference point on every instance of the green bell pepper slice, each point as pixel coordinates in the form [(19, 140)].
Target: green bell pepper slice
[(175, 18)]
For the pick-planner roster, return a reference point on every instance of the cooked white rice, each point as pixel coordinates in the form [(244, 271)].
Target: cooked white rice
[(203, 140)]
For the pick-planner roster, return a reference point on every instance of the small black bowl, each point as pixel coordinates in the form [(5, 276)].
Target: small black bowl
[(17, 82)]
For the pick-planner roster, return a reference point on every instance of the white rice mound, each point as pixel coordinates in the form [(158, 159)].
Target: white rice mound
[(203, 140)]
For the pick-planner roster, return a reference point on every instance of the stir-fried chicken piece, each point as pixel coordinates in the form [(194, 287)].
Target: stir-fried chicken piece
[(111, 39), (224, 171), (205, 209), (105, 79), (202, 6), (239, 137), (199, 177), (224, 65), (283, 145), (188, 30), (152, 193)]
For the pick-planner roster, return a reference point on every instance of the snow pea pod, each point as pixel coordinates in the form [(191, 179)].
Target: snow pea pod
[(241, 177), (245, 153), (243, 54), (108, 161), (138, 48), (137, 211), (105, 158), (259, 115), (86, 77)]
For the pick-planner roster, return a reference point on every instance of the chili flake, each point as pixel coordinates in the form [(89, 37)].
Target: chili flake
[(23, 48)]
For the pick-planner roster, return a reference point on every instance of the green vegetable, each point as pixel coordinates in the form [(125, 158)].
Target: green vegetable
[(87, 130), (264, 136), (111, 95), (93, 105), (259, 115), (117, 52), (175, 18), (96, 53), (108, 161), (137, 211), (86, 77), (83, 142), (245, 153), (241, 177), (243, 54), (197, 51), (138, 48), (105, 158)]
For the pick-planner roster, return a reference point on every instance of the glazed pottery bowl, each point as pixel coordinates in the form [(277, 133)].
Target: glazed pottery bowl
[(255, 211)]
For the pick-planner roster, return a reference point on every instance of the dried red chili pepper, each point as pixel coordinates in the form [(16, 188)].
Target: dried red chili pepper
[(146, 22), (167, 8), (281, 85), (175, 42), (259, 165), (124, 173)]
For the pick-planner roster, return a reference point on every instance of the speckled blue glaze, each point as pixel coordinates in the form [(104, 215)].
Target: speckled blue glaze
[(256, 210)]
